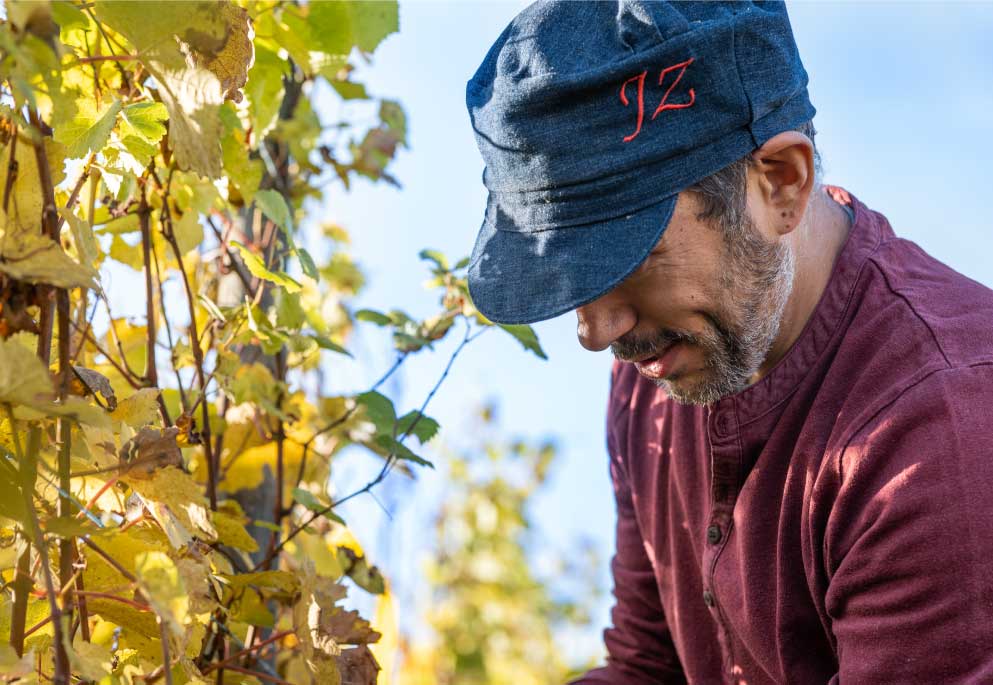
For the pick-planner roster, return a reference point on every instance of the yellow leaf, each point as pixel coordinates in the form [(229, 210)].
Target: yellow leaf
[(90, 661), (23, 377), (35, 258), (25, 203), (247, 470), (122, 547), (139, 410), (386, 621), (231, 531), (12, 666), (177, 504), (164, 589)]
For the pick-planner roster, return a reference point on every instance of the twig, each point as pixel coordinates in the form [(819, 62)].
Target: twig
[(256, 674), (248, 650), (151, 372), (11, 170), (198, 360), (390, 459)]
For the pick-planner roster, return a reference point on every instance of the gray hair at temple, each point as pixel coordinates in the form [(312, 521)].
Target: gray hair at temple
[(723, 195)]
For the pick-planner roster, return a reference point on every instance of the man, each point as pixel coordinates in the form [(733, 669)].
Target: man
[(798, 426)]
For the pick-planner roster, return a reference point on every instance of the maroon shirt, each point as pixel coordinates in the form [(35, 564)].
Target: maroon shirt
[(832, 523)]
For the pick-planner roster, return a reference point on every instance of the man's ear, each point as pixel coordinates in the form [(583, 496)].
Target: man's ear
[(781, 180)]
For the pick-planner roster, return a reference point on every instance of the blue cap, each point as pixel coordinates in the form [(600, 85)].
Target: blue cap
[(592, 116)]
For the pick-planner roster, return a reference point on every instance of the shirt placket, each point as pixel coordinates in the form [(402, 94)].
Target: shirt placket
[(725, 462)]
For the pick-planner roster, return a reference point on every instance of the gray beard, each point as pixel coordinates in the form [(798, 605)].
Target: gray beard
[(758, 278)]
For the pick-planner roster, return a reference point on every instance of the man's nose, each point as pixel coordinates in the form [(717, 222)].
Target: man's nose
[(603, 321)]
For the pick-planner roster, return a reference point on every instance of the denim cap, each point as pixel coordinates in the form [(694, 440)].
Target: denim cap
[(592, 116)]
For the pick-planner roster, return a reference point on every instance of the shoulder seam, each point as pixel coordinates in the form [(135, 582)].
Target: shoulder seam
[(911, 307), (904, 391)]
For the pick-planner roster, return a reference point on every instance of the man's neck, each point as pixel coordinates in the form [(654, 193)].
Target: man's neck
[(817, 246)]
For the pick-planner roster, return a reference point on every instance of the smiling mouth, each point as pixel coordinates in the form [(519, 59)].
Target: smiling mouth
[(651, 357)]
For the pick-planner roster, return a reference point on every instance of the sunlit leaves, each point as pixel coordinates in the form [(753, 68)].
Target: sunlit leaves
[(199, 53), (89, 131), (145, 119)]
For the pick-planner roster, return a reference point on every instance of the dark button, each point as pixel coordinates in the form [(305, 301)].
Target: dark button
[(723, 424), (714, 535), (708, 598)]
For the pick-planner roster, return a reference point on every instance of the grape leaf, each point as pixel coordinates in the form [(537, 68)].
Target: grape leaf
[(199, 54), (145, 120), (35, 258), (274, 206), (526, 336), (89, 130), (258, 269), (425, 428)]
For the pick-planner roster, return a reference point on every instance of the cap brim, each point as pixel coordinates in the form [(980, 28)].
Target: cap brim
[(517, 277)]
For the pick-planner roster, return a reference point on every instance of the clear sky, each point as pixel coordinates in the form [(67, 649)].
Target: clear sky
[(904, 95)]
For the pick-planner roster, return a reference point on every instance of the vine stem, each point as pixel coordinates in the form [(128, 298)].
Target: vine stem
[(28, 472), (50, 224), (151, 372), (201, 377), (248, 650)]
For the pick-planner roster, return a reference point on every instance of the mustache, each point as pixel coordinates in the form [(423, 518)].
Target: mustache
[(628, 347)]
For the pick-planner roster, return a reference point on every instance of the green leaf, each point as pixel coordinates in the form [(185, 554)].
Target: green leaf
[(145, 119), (89, 130), (336, 26), (265, 88), (461, 264), (425, 428), (307, 264), (129, 223), (392, 114), (309, 500), (188, 231), (326, 343), (372, 316), (379, 409), (274, 206), (526, 336), (390, 446), (440, 261), (350, 91), (258, 269)]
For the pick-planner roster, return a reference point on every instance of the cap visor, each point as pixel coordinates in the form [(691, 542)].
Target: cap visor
[(517, 277)]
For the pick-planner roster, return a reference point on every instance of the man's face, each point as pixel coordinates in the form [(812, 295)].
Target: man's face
[(701, 312)]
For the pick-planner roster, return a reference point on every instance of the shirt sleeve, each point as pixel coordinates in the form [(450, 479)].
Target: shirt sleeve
[(909, 543), (640, 650)]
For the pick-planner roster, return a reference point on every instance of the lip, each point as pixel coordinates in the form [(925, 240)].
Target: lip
[(659, 366)]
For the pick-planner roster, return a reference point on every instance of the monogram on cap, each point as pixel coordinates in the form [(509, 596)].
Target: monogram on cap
[(592, 116)]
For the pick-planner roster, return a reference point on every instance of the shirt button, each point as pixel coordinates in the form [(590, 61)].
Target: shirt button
[(714, 534), (708, 598)]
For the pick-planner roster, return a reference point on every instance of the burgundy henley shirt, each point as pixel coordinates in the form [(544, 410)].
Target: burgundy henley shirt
[(832, 523)]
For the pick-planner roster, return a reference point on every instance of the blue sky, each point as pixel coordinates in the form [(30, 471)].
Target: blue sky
[(904, 95)]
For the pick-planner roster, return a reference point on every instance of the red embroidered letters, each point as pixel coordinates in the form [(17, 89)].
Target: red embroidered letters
[(663, 104)]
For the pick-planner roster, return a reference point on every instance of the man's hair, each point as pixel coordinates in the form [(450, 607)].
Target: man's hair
[(723, 195)]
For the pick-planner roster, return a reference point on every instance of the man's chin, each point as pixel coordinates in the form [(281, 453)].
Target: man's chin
[(691, 389)]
